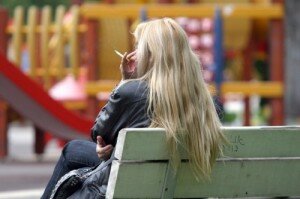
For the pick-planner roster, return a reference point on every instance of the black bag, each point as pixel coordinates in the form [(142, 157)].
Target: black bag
[(88, 182)]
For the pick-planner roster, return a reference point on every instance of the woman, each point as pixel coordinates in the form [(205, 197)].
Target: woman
[(162, 87)]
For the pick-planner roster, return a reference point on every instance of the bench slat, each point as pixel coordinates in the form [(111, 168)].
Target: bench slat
[(246, 142), (268, 178), (265, 178), (136, 180)]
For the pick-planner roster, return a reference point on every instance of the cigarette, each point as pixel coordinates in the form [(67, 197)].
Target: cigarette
[(118, 53)]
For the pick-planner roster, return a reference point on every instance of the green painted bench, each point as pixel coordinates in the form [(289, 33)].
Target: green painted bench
[(260, 162)]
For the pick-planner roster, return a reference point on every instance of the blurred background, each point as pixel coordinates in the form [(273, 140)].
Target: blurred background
[(58, 67)]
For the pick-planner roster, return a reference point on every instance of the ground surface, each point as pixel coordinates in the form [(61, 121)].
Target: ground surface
[(23, 174)]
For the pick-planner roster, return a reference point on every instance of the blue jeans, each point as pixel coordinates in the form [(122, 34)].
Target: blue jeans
[(75, 154)]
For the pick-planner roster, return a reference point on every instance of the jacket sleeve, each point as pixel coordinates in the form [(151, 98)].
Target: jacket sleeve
[(108, 116)]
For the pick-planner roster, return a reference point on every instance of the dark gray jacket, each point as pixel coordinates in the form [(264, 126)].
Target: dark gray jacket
[(126, 108)]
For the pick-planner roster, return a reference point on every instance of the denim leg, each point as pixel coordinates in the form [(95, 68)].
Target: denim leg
[(75, 154)]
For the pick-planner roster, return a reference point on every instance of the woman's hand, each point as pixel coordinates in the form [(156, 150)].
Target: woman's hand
[(128, 65), (103, 150)]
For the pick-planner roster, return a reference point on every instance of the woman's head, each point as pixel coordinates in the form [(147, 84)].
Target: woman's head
[(160, 44), (179, 100)]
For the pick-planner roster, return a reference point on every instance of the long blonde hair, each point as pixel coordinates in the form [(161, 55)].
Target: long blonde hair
[(179, 99)]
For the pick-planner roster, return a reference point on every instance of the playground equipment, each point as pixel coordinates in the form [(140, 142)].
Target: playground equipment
[(45, 45), (273, 12), (48, 64), (30, 100), (46, 42)]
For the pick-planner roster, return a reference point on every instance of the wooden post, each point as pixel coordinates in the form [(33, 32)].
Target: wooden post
[(45, 37), (3, 129), (292, 60), (43, 42), (276, 65), (91, 38), (74, 42), (3, 35), (39, 79), (247, 54), (17, 35), (31, 40), (59, 47), (40, 142), (3, 105)]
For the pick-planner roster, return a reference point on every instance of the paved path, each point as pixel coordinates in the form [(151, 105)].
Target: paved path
[(17, 177), (23, 174)]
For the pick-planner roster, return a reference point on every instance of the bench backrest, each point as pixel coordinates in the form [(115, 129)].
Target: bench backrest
[(260, 161)]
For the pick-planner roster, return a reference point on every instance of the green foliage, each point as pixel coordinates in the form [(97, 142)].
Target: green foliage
[(11, 4), (229, 117)]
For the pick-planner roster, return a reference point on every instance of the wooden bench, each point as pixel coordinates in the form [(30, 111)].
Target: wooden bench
[(259, 162)]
